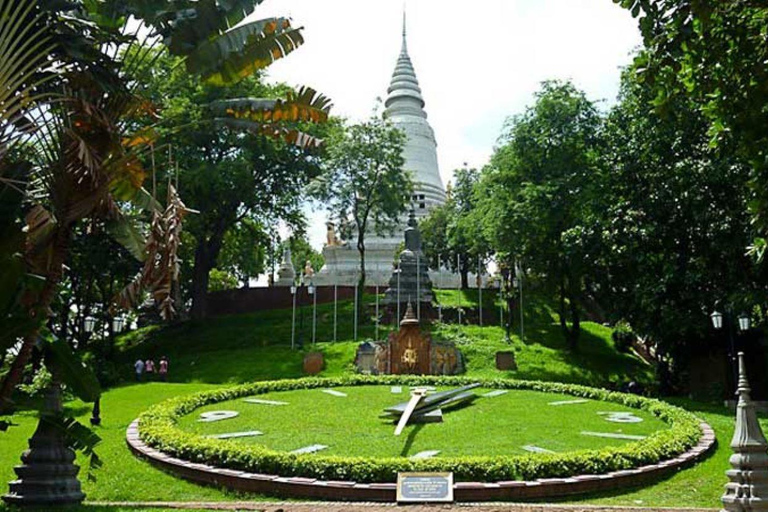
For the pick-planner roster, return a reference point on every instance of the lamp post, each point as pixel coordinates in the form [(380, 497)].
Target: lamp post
[(743, 323), (311, 289), (293, 316), (89, 323), (301, 314), (501, 301)]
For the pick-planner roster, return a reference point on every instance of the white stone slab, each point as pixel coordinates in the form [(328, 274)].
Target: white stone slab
[(396, 390), (497, 392), (621, 417), (310, 449), (235, 435), (428, 454), (611, 435), (263, 402), (427, 388), (334, 392), (208, 417), (535, 449), (569, 402)]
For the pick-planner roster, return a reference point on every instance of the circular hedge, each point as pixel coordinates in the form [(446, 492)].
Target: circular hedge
[(158, 428)]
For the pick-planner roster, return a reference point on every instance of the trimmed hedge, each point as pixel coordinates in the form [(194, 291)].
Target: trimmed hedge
[(158, 428)]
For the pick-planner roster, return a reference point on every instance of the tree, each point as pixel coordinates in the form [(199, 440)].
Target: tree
[(537, 187), (715, 54), (302, 252), (240, 159), (453, 232), (672, 224), (244, 251), (364, 184)]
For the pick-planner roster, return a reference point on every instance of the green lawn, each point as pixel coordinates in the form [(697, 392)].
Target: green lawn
[(351, 425), (250, 347)]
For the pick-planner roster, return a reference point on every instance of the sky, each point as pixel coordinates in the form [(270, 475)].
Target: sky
[(478, 62)]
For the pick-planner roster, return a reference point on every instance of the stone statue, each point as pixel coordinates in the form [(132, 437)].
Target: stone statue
[(412, 234), (309, 272), (331, 239)]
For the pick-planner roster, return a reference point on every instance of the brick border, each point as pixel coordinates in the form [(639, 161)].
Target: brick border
[(299, 487)]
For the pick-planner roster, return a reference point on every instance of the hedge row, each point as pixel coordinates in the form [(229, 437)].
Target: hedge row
[(158, 428)]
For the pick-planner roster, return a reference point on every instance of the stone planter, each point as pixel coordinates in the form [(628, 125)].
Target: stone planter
[(313, 363), (505, 360)]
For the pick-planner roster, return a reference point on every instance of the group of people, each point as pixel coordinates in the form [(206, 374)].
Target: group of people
[(149, 369)]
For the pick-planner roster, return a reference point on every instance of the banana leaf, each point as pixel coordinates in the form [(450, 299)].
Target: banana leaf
[(242, 51), (77, 376), (79, 437)]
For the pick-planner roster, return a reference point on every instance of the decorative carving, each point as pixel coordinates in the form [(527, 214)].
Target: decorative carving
[(748, 485)]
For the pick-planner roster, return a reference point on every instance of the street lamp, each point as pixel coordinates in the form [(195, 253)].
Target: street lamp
[(717, 319), (117, 324), (88, 324), (744, 322)]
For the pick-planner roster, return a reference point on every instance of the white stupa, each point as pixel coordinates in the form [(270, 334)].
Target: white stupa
[(405, 110)]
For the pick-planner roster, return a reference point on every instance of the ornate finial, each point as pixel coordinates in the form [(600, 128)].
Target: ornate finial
[(404, 30), (742, 388)]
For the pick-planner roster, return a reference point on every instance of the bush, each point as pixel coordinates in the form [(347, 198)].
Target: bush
[(623, 336), (158, 428)]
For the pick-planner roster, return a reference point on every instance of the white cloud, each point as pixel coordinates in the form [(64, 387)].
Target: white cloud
[(478, 62)]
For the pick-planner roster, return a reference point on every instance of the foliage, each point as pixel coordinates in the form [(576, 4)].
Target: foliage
[(539, 186), (302, 252), (158, 429), (715, 54), (673, 225), (453, 232), (364, 186), (221, 280), (238, 155), (244, 251), (623, 336)]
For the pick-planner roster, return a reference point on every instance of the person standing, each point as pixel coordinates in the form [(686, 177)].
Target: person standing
[(149, 369), (163, 370), (139, 367)]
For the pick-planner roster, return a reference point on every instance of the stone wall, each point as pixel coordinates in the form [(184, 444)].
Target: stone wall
[(250, 300)]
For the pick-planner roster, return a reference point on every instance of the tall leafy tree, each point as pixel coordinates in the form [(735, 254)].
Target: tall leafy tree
[(364, 185), (536, 190), (715, 54), (241, 156), (672, 224)]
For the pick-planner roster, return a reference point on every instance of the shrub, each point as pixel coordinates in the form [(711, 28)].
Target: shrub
[(623, 336), (158, 428)]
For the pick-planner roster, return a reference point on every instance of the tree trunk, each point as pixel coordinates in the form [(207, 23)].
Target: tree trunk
[(573, 336), (464, 272), (361, 280), (206, 254), (40, 307), (561, 310)]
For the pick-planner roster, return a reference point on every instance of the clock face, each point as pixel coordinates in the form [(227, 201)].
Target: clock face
[(348, 421)]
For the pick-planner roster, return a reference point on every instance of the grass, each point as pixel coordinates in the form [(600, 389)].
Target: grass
[(251, 347), (489, 426)]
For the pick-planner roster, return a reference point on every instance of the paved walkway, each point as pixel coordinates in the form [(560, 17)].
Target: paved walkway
[(386, 507)]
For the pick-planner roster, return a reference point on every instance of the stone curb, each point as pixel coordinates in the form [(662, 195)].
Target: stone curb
[(331, 506), (299, 487)]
